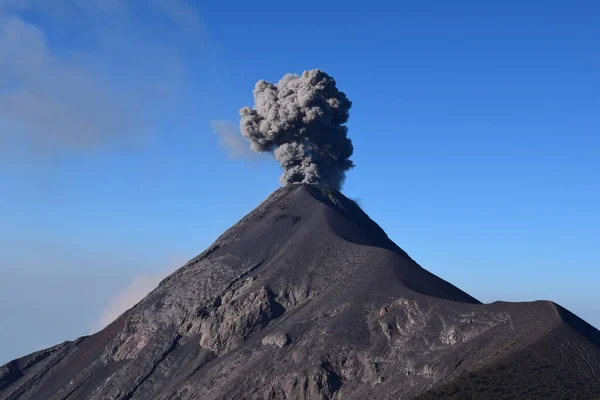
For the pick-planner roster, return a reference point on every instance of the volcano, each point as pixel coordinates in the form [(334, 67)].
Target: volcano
[(307, 298)]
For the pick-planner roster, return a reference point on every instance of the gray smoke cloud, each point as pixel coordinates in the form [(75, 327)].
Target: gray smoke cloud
[(301, 120)]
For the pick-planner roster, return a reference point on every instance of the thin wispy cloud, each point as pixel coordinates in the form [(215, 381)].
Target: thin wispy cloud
[(232, 141), (56, 102), (80, 75), (135, 291), (131, 294), (183, 15)]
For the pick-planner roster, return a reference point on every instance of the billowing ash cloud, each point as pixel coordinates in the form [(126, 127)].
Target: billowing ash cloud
[(301, 120)]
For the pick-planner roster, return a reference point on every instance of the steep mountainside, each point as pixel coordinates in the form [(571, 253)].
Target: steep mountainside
[(307, 298)]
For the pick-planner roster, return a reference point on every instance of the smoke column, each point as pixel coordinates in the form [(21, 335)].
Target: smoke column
[(300, 119)]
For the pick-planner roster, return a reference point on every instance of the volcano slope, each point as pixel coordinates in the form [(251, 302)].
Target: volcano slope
[(307, 298)]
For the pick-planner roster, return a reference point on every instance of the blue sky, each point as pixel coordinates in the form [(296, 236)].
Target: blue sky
[(475, 124)]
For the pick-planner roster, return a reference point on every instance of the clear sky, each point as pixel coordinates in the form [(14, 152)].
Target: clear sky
[(476, 127)]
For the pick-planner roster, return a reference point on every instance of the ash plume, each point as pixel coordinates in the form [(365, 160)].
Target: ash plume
[(301, 121)]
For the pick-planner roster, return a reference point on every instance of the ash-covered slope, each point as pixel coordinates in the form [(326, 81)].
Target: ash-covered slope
[(307, 298)]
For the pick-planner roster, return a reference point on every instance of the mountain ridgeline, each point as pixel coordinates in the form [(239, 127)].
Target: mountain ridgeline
[(307, 298)]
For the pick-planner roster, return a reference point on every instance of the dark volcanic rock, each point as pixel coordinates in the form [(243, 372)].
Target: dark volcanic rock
[(307, 298)]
